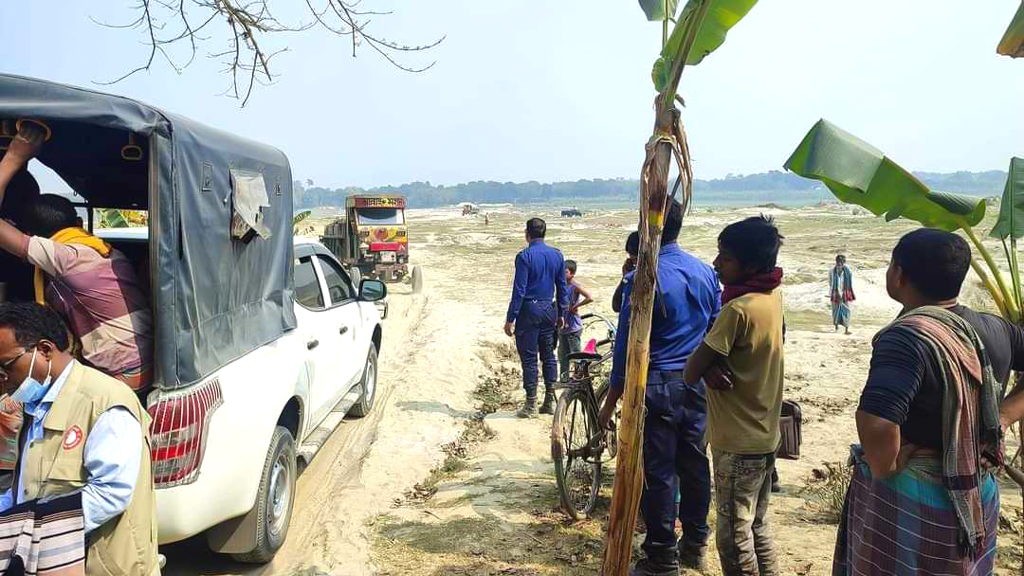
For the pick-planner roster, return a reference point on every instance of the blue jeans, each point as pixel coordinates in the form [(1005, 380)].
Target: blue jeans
[(675, 461), (535, 336)]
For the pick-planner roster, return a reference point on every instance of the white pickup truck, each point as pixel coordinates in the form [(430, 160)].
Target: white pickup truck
[(261, 341), (224, 450)]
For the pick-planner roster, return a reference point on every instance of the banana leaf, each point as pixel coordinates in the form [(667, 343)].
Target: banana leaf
[(112, 218), (1012, 43), (655, 9), (721, 16), (858, 173), (1011, 210)]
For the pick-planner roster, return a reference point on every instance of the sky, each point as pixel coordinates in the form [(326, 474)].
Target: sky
[(561, 90)]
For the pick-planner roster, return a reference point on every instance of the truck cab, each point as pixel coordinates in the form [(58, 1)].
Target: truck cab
[(373, 236)]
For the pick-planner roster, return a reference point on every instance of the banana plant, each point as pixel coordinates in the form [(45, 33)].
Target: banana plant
[(700, 29), (1012, 43), (1010, 224), (298, 218), (858, 173)]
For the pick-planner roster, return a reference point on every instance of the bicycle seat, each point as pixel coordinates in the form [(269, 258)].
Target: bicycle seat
[(588, 356)]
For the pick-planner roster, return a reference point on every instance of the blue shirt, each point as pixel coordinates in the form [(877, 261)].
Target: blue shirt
[(112, 455), (689, 291), (540, 273)]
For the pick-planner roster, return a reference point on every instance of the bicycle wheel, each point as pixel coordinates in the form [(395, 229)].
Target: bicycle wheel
[(574, 432), (611, 438)]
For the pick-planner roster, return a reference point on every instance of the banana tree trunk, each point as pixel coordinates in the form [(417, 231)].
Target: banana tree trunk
[(628, 467)]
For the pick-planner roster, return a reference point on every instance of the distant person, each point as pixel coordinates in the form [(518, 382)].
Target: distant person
[(632, 253), (674, 446), (840, 288), (928, 420), (539, 298), (569, 334), (91, 285), (747, 339)]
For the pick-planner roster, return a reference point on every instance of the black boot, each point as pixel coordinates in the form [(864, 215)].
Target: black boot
[(548, 407), (691, 555), (666, 566), (529, 409)]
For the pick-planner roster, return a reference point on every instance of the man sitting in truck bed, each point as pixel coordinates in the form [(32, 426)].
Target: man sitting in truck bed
[(93, 286)]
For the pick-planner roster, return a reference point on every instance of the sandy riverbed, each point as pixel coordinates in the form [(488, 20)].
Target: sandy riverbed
[(492, 508)]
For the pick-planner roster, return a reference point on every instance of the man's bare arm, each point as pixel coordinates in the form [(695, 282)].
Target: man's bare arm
[(881, 441), (25, 146)]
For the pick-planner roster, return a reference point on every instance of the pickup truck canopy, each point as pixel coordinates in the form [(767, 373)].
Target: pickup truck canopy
[(215, 296)]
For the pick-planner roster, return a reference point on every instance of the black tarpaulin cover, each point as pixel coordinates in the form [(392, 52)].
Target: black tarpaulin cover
[(215, 298)]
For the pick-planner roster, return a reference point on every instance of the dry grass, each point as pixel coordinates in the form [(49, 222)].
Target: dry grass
[(829, 486)]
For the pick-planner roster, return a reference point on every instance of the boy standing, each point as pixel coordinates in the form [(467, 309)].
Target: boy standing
[(569, 335), (744, 408)]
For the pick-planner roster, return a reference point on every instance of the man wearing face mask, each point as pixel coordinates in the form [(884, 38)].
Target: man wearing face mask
[(83, 431)]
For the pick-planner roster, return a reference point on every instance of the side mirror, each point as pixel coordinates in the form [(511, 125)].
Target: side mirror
[(372, 290)]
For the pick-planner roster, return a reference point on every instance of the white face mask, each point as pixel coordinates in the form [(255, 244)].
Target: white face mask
[(31, 390)]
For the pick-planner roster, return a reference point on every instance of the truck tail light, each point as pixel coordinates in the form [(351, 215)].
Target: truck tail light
[(178, 433)]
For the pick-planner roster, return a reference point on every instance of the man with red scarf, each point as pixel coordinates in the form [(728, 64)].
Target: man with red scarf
[(744, 409), (675, 452)]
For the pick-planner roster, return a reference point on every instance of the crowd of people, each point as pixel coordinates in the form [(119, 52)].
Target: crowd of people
[(76, 358), (930, 420)]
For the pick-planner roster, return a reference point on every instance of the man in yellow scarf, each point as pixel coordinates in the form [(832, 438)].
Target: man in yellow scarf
[(94, 287)]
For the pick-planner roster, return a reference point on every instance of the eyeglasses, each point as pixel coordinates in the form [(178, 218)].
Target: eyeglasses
[(7, 365)]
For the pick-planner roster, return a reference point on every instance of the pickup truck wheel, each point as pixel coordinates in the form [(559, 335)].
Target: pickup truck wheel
[(369, 385), (275, 498)]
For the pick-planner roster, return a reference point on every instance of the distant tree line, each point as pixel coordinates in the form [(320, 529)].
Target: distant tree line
[(427, 195)]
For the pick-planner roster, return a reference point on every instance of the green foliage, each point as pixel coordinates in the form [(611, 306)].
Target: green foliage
[(1012, 43), (721, 16), (1011, 210), (655, 9), (299, 217), (858, 173)]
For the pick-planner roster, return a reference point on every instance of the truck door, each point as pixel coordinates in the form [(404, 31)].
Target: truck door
[(342, 331), (312, 300)]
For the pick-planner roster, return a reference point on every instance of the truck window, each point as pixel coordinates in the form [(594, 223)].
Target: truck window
[(307, 288), (380, 216), (338, 285)]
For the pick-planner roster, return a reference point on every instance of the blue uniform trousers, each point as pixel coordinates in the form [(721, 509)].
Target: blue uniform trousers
[(535, 336), (675, 461)]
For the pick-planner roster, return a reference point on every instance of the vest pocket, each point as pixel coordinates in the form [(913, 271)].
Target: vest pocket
[(68, 470)]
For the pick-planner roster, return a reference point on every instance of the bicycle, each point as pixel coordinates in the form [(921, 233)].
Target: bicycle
[(579, 446)]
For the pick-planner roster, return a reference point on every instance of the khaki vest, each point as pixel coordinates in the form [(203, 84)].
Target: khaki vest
[(126, 544)]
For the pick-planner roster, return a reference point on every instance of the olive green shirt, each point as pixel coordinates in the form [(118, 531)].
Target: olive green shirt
[(748, 333)]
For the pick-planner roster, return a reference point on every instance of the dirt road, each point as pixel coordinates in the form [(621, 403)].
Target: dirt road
[(428, 366)]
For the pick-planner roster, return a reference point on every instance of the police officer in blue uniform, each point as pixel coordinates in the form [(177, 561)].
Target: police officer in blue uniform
[(533, 314), (687, 301)]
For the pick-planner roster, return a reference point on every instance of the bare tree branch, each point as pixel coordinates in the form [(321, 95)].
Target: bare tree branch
[(253, 35)]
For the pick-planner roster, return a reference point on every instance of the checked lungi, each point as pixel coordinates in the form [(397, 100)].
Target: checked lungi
[(906, 524)]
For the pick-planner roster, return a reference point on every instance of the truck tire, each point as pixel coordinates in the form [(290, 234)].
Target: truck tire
[(364, 405), (417, 280), (274, 499)]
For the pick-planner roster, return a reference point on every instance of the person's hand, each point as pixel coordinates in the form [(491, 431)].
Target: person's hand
[(510, 328), (718, 378), (560, 323), (628, 266), (604, 418), (906, 451), (26, 144), (573, 309)]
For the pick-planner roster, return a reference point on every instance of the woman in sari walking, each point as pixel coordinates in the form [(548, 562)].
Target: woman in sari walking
[(840, 288)]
